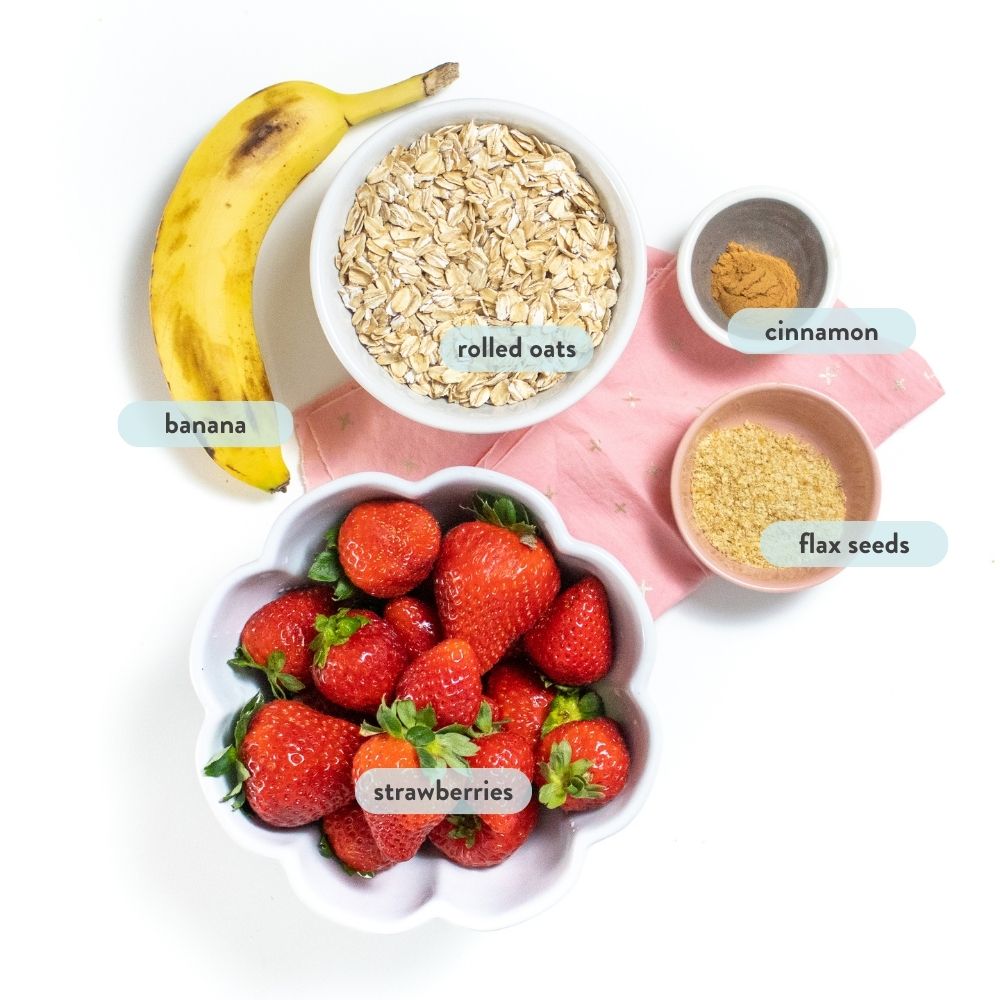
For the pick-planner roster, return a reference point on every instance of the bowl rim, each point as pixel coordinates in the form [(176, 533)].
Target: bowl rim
[(287, 853), (684, 447), (685, 252), (334, 318)]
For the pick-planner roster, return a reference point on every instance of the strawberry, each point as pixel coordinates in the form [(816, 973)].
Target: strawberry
[(571, 643), (471, 843), (292, 764), (522, 699), (416, 622), (276, 638), (347, 838), (447, 679), (498, 747), (582, 765), (494, 578), (388, 547), (405, 737), (358, 658)]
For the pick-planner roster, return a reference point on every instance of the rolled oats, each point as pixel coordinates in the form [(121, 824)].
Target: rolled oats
[(474, 225)]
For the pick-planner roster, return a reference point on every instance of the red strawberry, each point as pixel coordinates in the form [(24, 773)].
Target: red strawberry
[(521, 698), (446, 678), (572, 641), (276, 638), (388, 547), (349, 840), (498, 747), (405, 737), (415, 621), (582, 765), (494, 578), (292, 764), (398, 837), (358, 658), (469, 842)]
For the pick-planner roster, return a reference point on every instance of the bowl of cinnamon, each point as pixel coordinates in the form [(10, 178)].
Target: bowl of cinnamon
[(755, 248)]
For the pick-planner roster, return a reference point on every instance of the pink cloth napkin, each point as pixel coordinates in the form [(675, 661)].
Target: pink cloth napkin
[(605, 462)]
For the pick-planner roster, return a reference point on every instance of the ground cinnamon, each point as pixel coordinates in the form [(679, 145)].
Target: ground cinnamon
[(743, 278)]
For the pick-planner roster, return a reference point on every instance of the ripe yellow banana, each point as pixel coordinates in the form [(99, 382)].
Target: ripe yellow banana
[(201, 298)]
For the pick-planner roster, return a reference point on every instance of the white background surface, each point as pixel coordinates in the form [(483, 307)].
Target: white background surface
[(826, 817)]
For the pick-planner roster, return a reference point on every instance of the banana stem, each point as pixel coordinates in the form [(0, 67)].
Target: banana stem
[(360, 107)]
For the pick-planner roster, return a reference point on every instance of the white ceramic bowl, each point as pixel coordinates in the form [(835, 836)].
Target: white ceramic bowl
[(429, 886), (775, 221), (336, 320)]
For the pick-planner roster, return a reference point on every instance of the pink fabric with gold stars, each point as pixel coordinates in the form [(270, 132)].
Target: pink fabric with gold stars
[(606, 461)]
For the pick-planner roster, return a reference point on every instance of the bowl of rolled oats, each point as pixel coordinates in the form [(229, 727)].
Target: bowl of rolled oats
[(468, 214)]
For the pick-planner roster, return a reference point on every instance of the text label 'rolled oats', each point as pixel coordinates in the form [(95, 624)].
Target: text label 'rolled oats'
[(516, 348)]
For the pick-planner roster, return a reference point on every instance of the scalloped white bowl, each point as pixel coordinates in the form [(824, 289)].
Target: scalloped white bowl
[(336, 320), (429, 886)]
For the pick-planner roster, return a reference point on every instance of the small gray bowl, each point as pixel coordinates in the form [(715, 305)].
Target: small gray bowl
[(766, 219)]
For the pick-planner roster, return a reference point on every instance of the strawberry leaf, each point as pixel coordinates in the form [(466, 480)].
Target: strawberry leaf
[(485, 724), (565, 777), (465, 828), (447, 747), (334, 630), (324, 847), (274, 670), (503, 512), (354, 871), (326, 568), (406, 712), (420, 736), (572, 705), (242, 660), (227, 761)]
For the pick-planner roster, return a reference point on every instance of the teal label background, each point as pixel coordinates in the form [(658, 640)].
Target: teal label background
[(143, 424), (896, 330), (926, 541)]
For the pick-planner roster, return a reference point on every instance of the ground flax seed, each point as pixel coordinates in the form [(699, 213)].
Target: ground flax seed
[(747, 477)]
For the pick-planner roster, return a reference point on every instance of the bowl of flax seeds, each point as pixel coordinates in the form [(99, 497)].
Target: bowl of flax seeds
[(766, 453)]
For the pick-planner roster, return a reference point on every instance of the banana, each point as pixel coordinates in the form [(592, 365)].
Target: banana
[(201, 286)]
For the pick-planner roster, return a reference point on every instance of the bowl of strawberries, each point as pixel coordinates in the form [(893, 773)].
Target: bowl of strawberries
[(450, 626)]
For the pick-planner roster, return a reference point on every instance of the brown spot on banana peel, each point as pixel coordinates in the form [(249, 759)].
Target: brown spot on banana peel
[(189, 343), (185, 212), (261, 131)]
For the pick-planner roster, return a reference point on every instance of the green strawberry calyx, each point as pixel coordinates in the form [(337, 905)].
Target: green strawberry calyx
[(566, 778), (485, 724), (274, 670), (334, 630), (327, 851), (503, 512), (572, 705), (227, 761), (465, 828), (326, 568), (447, 747)]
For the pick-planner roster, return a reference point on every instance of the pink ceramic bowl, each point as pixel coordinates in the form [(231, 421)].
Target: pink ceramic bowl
[(788, 409)]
